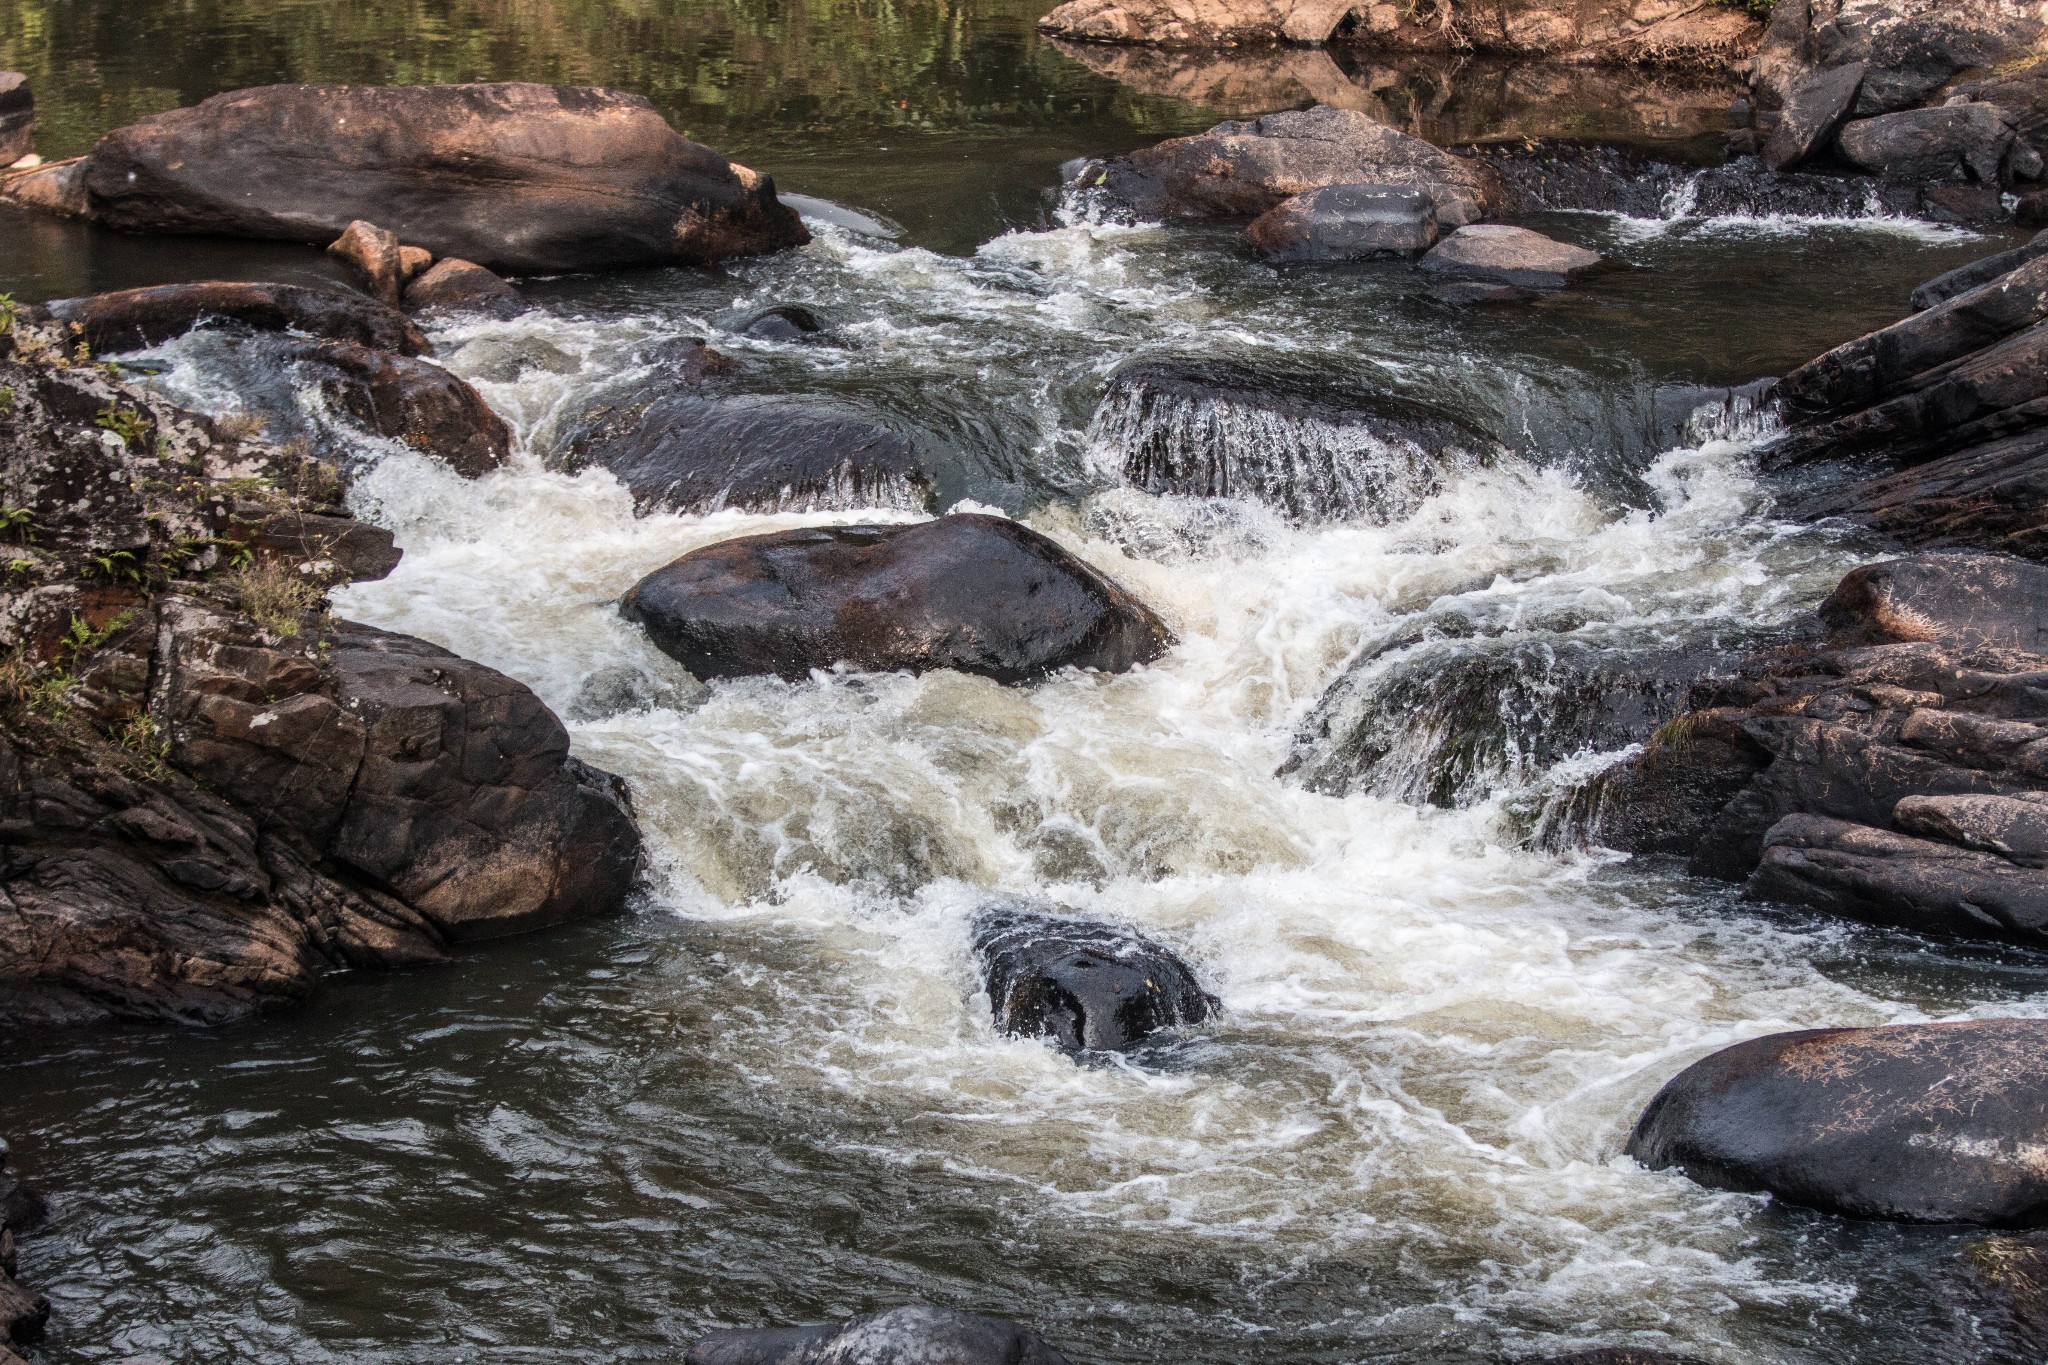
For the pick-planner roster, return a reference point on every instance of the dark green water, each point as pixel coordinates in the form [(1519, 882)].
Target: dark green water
[(771, 1094)]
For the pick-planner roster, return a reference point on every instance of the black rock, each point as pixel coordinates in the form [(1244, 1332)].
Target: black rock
[(913, 1335), (695, 453), (1928, 1123), (1964, 278), (976, 593), (1088, 986), (782, 322)]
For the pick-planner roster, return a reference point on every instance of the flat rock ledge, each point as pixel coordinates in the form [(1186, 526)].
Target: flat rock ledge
[(212, 792), (1928, 1123), (980, 594)]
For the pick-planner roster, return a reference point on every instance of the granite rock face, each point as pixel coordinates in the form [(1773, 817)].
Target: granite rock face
[(214, 792)]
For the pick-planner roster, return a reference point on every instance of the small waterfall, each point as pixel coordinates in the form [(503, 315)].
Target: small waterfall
[(1219, 433)]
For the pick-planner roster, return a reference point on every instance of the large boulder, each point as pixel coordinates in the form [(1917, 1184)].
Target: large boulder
[(1294, 441), (1242, 170), (1087, 986), (512, 176), (692, 453), (1346, 223), (1499, 254), (976, 593), (1619, 31), (1969, 142), (914, 1335), (1935, 1123), (130, 319)]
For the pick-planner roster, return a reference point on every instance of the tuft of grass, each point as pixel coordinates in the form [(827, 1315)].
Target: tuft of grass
[(275, 594), (241, 426)]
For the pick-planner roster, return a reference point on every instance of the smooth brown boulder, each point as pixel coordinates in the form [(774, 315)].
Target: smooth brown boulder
[(372, 252), (1933, 1123), (462, 286), (410, 400), (975, 593), (1243, 169), (130, 319), (512, 176)]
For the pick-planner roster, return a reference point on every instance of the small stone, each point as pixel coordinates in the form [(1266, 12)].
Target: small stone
[(372, 252), (411, 261), (782, 322), (462, 286), (1346, 223), (1469, 292), (1509, 255)]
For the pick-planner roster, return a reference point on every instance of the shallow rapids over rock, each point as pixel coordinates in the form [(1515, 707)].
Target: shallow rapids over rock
[(777, 1094)]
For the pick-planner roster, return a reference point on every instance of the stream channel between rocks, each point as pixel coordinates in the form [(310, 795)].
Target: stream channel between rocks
[(772, 1093)]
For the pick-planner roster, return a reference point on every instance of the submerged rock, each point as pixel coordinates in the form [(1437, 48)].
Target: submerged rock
[(461, 286), (131, 319), (688, 452), (1499, 254), (1088, 986), (780, 322), (1935, 1123), (1347, 223), (975, 593), (510, 175), (1242, 170), (912, 1335), (1296, 442), (409, 400)]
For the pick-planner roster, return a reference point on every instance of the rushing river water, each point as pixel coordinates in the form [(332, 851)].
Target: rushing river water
[(772, 1093)]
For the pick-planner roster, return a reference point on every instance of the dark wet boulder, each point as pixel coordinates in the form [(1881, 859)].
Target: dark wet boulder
[(1930, 886), (17, 118), (1968, 142), (1088, 986), (1960, 600), (1935, 1123), (1814, 108), (513, 176), (1295, 441), (130, 319), (1964, 278), (914, 1335), (461, 286), (779, 322), (409, 400), (975, 593), (1243, 169), (1499, 254), (692, 453), (1346, 223), (1544, 177)]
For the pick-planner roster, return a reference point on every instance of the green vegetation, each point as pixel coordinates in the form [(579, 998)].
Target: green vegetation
[(275, 594), (128, 424)]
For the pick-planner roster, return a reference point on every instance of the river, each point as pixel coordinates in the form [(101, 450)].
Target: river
[(772, 1093)]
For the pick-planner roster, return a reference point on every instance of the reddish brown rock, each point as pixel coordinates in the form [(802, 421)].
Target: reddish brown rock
[(462, 286), (512, 176), (410, 400), (373, 253)]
